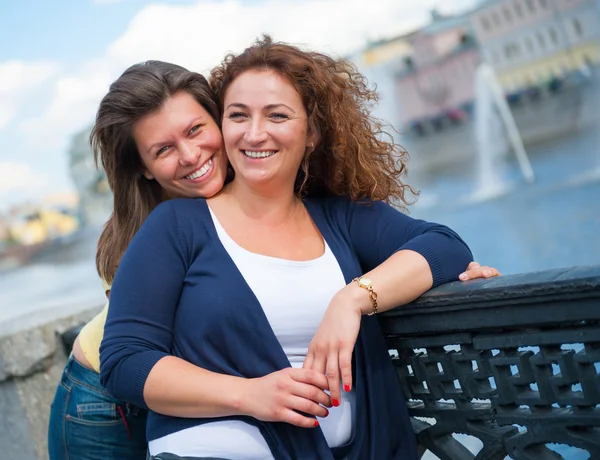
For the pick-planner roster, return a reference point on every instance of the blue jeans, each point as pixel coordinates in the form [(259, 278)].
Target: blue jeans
[(86, 423)]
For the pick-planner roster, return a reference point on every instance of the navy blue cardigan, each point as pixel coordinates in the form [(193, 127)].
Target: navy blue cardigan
[(177, 292)]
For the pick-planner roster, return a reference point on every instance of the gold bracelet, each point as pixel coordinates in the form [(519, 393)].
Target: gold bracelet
[(365, 283)]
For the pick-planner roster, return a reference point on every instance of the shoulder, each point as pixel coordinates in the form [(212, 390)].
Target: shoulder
[(180, 222), (184, 213), (181, 206), (344, 207)]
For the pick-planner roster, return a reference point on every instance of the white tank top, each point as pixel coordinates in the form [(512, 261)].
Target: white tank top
[(294, 296)]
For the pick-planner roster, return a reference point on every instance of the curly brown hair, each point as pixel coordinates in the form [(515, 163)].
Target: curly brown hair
[(354, 155)]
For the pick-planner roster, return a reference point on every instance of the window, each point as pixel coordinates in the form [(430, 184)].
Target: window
[(518, 9), (544, 3), (578, 28), (541, 40), (507, 15), (496, 19), (485, 23), (530, 5)]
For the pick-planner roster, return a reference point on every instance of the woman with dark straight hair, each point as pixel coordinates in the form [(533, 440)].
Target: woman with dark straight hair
[(152, 102)]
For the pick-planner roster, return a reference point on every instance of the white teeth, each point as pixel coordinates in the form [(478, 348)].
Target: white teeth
[(201, 172), (252, 154)]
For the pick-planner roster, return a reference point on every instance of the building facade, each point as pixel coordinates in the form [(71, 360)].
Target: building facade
[(440, 71), (95, 199), (529, 42)]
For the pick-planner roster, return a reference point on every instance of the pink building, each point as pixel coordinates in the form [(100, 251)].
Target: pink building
[(439, 78)]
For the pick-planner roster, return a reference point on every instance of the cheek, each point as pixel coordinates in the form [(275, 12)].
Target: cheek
[(164, 169), (232, 132), (213, 139), (292, 135)]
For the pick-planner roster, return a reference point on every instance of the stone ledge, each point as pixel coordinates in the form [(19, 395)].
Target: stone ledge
[(32, 359), (27, 345)]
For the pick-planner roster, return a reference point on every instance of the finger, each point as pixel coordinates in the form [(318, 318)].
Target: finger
[(319, 363), (481, 272), (468, 274), (346, 368), (308, 361), (489, 272), (310, 377), (313, 393), (333, 377), (464, 276), (307, 407), (472, 266), (294, 418)]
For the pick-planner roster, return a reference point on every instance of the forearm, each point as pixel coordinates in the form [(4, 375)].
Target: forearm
[(178, 388), (400, 279)]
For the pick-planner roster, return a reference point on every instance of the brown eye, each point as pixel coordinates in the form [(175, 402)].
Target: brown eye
[(236, 115), (194, 129)]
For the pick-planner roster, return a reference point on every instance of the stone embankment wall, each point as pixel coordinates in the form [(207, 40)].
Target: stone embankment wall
[(32, 357)]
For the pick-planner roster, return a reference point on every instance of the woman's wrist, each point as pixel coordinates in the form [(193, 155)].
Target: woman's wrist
[(237, 396), (356, 298)]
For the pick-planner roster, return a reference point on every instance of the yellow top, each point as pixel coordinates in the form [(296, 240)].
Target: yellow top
[(91, 335)]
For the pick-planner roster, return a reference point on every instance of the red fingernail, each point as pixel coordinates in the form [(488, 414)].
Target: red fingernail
[(326, 412), (347, 388), (316, 424), (335, 402)]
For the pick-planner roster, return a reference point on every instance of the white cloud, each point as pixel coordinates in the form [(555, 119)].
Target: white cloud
[(73, 103), (19, 175), (18, 80), (198, 36)]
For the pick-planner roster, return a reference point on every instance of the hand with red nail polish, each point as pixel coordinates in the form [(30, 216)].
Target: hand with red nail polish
[(330, 351), (285, 396)]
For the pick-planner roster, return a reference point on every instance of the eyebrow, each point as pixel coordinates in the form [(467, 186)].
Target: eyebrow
[(266, 107), (189, 126)]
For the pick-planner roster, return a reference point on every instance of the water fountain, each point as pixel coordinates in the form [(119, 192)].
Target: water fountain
[(495, 132)]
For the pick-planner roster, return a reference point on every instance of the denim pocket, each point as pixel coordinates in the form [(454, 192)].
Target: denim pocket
[(98, 412)]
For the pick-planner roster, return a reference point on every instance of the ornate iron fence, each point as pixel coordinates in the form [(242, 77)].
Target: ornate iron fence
[(513, 361)]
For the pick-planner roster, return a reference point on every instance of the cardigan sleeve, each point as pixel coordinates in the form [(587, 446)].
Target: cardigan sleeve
[(144, 298), (377, 230)]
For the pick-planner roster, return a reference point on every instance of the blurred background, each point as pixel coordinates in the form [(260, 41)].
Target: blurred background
[(496, 101)]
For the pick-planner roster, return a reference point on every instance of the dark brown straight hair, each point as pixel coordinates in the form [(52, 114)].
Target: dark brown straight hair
[(142, 89)]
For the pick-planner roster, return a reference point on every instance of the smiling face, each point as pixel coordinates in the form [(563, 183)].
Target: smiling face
[(265, 130), (181, 148)]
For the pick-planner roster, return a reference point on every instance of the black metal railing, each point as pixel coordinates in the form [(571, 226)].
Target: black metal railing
[(513, 361)]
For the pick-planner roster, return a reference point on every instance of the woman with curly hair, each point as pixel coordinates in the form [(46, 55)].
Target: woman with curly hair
[(246, 322)]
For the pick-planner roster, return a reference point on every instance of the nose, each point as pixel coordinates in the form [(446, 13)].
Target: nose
[(188, 153), (256, 132)]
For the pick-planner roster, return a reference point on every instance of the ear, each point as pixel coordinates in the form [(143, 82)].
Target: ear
[(147, 174), (312, 140)]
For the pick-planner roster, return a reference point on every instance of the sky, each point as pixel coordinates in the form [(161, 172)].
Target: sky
[(58, 58)]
